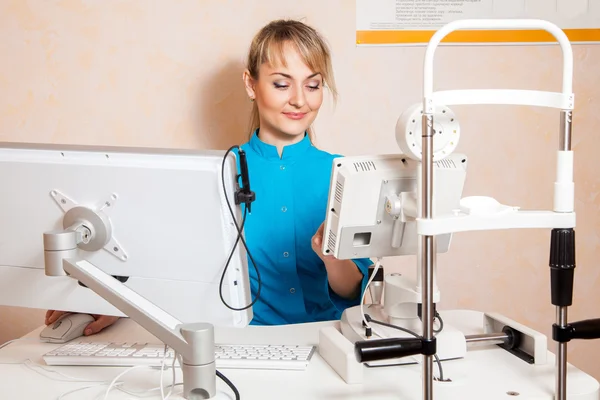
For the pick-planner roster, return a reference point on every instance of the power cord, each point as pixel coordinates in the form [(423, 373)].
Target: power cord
[(220, 375), (231, 385), (162, 370), (368, 330), (92, 383), (246, 196), (437, 359), (439, 318)]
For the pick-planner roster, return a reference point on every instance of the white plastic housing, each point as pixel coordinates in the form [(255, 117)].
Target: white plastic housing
[(357, 223), (532, 342), (171, 218), (409, 131), (401, 296)]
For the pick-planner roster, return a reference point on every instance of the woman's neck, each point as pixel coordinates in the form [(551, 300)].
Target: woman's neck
[(279, 139)]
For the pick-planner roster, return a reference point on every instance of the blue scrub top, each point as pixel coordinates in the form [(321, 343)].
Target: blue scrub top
[(291, 200)]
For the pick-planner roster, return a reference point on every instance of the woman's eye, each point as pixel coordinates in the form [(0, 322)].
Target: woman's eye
[(280, 86), (313, 87)]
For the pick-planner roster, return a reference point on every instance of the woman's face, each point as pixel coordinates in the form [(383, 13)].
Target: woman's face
[(288, 98)]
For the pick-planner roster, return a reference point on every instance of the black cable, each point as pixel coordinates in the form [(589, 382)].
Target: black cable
[(230, 384), (240, 237), (437, 359), (439, 317)]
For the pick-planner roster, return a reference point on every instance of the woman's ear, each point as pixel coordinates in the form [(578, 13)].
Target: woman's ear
[(249, 84)]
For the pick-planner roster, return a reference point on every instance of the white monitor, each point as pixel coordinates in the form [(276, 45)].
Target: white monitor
[(171, 231), (373, 204)]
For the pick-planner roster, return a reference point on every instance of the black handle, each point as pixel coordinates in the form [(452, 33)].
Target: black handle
[(245, 195), (384, 349), (586, 329), (562, 266), (244, 171)]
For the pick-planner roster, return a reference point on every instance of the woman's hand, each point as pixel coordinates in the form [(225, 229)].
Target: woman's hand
[(101, 321), (343, 275), (317, 245)]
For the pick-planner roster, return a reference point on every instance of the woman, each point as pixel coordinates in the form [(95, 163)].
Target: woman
[(288, 67)]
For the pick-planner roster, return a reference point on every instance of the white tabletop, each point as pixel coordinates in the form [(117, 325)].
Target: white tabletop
[(486, 372)]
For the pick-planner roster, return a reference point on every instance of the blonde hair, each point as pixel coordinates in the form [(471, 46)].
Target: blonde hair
[(268, 45)]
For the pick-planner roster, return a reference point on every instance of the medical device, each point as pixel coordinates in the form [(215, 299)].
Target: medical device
[(155, 235), (372, 212), (427, 120)]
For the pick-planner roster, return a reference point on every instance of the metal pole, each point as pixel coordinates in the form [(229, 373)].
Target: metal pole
[(566, 122), (564, 144), (427, 259), (486, 339), (561, 373)]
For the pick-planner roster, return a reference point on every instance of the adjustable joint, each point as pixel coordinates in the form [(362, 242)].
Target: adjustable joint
[(562, 334), (429, 346), (586, 329), (244, 197)]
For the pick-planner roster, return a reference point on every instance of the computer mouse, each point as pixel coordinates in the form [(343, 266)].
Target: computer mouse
[(66, 328)]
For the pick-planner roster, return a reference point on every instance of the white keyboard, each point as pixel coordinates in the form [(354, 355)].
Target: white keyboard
[(279, 357)]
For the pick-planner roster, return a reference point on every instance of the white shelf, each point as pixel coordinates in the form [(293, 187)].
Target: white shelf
[(504, 220)]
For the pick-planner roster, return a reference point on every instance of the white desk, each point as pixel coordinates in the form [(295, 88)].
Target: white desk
[(486, 373)]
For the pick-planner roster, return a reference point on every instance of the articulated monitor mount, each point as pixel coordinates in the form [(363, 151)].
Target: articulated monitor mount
[(485, 213), (90, 229)]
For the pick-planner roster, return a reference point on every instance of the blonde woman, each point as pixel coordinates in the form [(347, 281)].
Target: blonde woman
[(288, 69)]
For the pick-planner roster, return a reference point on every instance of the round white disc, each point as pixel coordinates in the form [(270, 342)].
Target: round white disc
[(409, 132)]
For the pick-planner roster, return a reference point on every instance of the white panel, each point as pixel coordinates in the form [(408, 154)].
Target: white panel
[(170, 217)]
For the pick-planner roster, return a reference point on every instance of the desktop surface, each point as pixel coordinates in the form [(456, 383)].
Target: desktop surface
[(486, 372)]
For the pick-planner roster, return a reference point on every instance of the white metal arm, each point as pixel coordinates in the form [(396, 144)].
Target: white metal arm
[(548, 99), (194, 341), (504, 96)]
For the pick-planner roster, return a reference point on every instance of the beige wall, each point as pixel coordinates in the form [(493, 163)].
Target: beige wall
[(166, 73)]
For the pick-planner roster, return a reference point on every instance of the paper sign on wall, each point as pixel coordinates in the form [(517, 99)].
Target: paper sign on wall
[(413, 22)]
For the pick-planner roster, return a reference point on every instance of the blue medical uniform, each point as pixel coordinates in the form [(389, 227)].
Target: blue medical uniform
[(291, 200)]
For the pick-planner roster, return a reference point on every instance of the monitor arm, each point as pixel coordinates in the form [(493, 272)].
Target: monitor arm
[(193, 341)]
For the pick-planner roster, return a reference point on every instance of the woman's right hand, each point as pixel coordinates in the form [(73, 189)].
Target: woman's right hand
[(100, 321)]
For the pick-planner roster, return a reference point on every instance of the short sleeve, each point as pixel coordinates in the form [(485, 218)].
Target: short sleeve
[(341, 303)]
